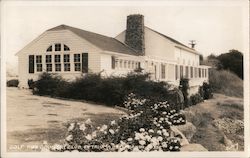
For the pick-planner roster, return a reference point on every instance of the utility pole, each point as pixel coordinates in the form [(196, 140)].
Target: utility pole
[(192, 43)]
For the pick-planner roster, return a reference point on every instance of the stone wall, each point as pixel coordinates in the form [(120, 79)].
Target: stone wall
[(135, 33)]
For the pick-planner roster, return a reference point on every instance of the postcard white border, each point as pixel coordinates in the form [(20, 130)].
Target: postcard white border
[(241, 3)]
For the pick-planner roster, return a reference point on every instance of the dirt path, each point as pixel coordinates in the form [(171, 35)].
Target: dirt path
[(203, 116), (32, 120)]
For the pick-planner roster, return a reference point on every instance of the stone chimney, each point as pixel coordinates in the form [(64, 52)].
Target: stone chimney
[(135, 33)]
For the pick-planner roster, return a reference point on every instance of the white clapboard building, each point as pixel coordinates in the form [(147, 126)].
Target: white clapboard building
[(71, 52)]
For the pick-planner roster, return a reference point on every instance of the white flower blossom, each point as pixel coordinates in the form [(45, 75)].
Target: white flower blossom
[(82, 127), (142, 130), (94, 134), (112, 122), (57, 147), (88, 121), (159, 132), (88, 137), (71, 126), (160, 138), (164, 144), (111, 131), (151, 131), (130, 139), (103, 128), (69, 137), (136, 149), (142, 142)]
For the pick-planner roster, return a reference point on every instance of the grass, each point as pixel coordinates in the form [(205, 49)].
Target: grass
[(232, 111), (226, 82), (202, 116)]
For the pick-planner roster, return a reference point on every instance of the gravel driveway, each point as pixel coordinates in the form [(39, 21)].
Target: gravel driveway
[(36, 120)]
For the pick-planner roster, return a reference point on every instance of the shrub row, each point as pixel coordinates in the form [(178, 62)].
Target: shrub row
[(110, 91)]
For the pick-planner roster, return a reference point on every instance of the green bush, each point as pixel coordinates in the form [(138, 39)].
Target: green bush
[(110, 91), (184, 87), (207, 89), (48, 84), (195, 99), (31, 83), (12, 83)]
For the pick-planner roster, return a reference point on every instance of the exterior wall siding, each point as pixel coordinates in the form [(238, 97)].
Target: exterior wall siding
[(39, 47)]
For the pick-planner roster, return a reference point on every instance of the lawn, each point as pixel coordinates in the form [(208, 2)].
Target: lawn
[(36, 120)]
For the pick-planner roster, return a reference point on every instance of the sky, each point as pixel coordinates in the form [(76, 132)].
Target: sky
[(217, 26)]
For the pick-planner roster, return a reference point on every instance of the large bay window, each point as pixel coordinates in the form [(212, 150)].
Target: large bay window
[(66, 59), (48, 63), (57, 47)]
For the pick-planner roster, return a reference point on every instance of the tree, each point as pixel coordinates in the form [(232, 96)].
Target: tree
[(233, 61)]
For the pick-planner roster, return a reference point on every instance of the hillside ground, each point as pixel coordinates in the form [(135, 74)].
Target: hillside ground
[(219, 123)]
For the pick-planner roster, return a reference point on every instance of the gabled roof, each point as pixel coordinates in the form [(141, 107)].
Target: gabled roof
[(101, 41), (173, 40)]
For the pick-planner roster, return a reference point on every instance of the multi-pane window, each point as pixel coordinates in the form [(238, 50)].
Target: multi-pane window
[(181, 71), (136, 65), (116, 63), (129, 64), (66, 48), (125, 64), (57, 58), (191, 72), (176, 72), (133, 64), (199, 72), (49, 67), (57, 62), (77, 60), (57, 47), (120, 63), (163, 71), (48, 63), (57, 67), (77, 66), (39, 67), (49, 49), (187, 72), (196, 72), (66, 59), (48, 58), (67, 67)]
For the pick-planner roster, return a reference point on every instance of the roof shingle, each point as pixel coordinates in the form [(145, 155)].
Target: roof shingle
[(101, 41)]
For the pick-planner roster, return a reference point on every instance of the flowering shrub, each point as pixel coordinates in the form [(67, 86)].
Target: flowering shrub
[(145, 128)]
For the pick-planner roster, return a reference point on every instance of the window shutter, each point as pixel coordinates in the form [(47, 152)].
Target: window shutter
[(113, 62), (85, 62), (31, 64)]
